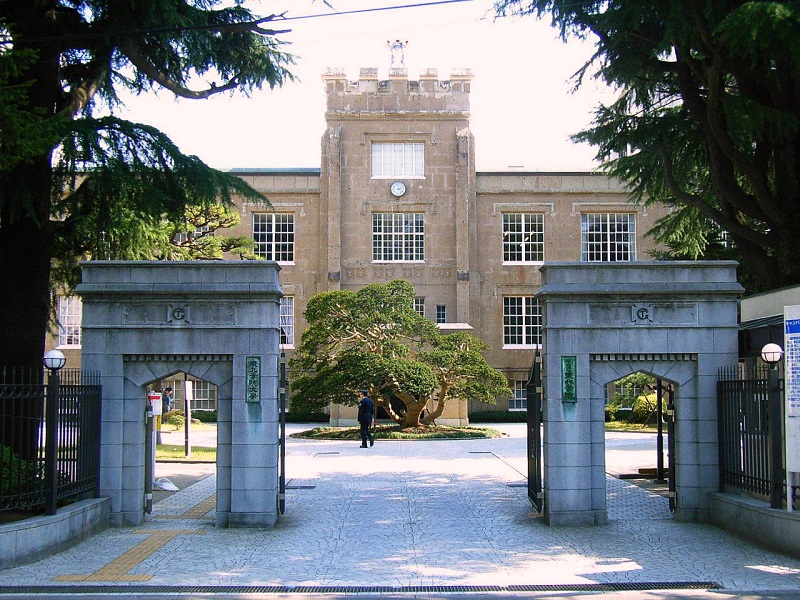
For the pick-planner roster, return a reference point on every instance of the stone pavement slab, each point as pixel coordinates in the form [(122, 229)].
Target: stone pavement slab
[(452, 515)]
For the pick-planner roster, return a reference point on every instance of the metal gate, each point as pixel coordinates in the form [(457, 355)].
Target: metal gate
[(534, 394), (282, 386), (666, 391)]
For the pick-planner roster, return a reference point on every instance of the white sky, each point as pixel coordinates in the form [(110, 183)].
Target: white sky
[(522, 108)]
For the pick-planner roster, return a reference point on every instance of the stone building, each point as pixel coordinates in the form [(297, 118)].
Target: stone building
[(397, 195)]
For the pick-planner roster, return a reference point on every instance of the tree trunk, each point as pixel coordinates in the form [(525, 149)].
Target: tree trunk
[(387, 406), (413, 411), (440, 402), (431, 417), (26, 194), (25, 251), (26, 239)]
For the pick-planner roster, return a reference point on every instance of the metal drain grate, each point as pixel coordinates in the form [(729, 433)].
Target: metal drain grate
[(138, 590)]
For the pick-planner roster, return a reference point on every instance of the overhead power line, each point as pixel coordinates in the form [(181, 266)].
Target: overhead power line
[(274, 19), (378, 9)]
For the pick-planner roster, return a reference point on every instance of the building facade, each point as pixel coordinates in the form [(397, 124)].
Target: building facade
[(398, 196)]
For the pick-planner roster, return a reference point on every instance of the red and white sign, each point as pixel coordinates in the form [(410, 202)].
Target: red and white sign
[(154, 398)]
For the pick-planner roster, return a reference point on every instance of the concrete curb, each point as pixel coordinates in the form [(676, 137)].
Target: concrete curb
[(31, 539)]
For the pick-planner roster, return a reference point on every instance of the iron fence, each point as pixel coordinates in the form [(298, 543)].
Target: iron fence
[(745, 426), (24, 454)]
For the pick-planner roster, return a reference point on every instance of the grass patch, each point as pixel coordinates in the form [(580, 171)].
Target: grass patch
[(395, 432), (176, 452), (637, 427), (195, 426)]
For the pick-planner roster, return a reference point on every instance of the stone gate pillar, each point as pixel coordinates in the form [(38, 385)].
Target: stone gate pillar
[(215, 320), (675, 320)]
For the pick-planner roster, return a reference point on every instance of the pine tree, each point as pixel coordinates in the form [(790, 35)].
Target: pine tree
[(71, 175), (707, 118), (374, 339)]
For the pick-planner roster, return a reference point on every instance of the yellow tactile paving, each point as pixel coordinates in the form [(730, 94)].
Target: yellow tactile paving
[(201, 509), (198, 511), (118, 569)]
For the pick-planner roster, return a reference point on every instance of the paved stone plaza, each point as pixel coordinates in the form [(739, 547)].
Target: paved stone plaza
[(448, 515)]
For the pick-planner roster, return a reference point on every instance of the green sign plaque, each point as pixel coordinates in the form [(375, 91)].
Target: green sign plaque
[(569, 379), (253, 379)]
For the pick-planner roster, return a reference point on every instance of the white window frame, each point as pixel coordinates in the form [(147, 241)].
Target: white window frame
[(398, 237), (70, 317), (278, 232), (419, 305), (522, 322), (519, 401), (441, 313), (398, 159), (205, 395), (523, 238), (608, 237), (287, 322)]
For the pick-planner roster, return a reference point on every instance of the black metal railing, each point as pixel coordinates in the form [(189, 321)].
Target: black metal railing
[(746, 425), (23, 452)]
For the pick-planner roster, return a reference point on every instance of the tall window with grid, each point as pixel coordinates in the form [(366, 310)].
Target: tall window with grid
[(608, 237), (287, 321), (522, 322), (523, 238), (441, 313), (398, 237), (404, 159), (419, 306), (273, 236), (520, 399), (205, 395), (70, 312)]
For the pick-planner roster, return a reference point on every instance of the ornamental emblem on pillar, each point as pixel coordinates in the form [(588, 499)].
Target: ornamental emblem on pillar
[(177, 314), (642, 313)]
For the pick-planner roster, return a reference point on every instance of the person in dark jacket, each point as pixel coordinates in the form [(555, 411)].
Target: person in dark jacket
[(366, 411), (167, 401)]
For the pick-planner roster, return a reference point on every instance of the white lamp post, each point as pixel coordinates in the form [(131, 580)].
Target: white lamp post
[(772, 354), (53, 361)]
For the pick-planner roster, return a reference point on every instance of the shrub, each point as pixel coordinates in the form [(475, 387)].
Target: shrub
[(19, 475), (303, 416), (175, 418), (624, 414), (205, 416), (499, 416), (644, 410), (641, 412)]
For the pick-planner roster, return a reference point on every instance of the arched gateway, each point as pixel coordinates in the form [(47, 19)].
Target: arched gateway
[(219, 321), (215, 320), (674, 320)]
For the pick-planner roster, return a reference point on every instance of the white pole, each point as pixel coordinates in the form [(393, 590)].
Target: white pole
[(188, 396)]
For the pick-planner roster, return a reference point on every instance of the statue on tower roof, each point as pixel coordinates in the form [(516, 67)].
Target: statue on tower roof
[(398, 59)]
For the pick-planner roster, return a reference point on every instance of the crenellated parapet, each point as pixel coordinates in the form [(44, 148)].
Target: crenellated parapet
[(396, 92)]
